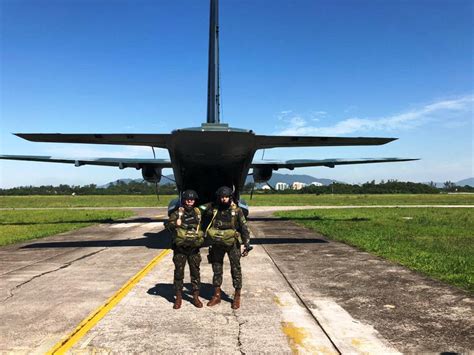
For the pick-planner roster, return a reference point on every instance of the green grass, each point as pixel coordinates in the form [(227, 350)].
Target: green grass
[(360, 200), (84, 201), (19, 226), (258, 200), (438, 242)]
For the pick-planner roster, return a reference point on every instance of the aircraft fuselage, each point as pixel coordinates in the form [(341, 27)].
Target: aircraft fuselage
[(206, 158)]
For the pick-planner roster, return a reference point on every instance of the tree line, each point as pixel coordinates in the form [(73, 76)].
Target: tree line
[(384, 187), (117, 188), (144, 188)]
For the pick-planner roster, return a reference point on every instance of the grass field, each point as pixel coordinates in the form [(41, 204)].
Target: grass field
[(258, 200), (18, 226), (438, 242)]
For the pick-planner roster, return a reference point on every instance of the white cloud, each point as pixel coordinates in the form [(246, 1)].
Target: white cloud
[(437, 111)]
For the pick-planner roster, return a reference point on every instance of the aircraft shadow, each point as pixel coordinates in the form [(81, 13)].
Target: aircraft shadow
[(166, 290), (160, 240), (102, 221)]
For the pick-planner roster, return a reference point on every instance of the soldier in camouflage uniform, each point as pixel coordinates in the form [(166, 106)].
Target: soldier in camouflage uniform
[(226, 216), (186, 218)]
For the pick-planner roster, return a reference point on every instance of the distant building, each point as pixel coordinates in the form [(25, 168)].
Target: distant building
[(281, 186), (315, 183), (266, 187), (298, 185)]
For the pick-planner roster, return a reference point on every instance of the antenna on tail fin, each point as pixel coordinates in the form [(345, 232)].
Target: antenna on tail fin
[(213, 99)]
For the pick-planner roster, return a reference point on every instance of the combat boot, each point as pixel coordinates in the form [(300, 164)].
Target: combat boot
[(236, 301), (178, 300), (196, 301), (216, 299)]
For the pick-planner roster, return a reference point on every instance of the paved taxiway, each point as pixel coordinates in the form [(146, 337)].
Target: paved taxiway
[(301, 293)]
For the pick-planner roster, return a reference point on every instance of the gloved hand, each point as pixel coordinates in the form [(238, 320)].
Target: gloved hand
[(247, 249)]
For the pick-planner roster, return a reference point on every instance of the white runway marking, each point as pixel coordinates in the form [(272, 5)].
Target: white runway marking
[(300, 328), (150, 225), (349, 335), (125, 225)]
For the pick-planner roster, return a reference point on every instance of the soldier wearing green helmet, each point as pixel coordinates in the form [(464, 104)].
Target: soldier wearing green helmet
[(227, 232), (185, 224)]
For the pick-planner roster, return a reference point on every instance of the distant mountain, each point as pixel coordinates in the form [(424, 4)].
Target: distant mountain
[(468, 181), (116, 182), (164, 181), (276, 177), (291, 178), (464, 182)]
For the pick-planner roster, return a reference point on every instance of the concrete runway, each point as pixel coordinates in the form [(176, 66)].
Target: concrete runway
[(301, 294)]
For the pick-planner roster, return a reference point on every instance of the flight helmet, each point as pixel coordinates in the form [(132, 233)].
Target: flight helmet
[(224, 191), (189, 195)]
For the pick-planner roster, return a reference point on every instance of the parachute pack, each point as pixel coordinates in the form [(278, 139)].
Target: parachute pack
[(223, 234), (189, 236)]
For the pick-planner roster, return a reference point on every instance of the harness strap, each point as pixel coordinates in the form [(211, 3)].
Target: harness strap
[(198, 213), (212, 220), (234, 216)]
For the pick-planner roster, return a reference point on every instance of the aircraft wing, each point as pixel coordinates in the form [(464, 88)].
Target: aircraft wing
[(163, 140), (155, 140), (330, 163), (263, 142), (118, 162)]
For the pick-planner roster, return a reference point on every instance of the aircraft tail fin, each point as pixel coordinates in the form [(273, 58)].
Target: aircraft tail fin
[(213, 88)]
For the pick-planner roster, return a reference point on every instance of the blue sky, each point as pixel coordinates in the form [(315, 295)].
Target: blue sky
[(339, 68)]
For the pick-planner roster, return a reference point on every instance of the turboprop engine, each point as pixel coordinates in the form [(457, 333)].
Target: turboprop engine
[(151, 174), (262, 174)]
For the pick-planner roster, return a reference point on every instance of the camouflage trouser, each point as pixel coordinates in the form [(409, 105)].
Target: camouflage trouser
[(193, 257), (216, 255)]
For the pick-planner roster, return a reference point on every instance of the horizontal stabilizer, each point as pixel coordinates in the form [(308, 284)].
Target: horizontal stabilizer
[(263, 142), (155, 140), (330, 163), (118, 162)]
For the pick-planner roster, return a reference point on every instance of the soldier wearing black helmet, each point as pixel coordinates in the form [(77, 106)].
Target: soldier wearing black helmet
[(227, 231), (185, 224)]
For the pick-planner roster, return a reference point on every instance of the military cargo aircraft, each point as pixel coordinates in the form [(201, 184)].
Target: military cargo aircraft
[(211, 155)]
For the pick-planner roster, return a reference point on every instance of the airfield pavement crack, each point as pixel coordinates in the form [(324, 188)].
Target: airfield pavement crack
[(240, 323), (11, 291), (39, 261)]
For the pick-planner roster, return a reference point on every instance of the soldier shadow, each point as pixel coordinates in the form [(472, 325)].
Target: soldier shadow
[(167, 292)]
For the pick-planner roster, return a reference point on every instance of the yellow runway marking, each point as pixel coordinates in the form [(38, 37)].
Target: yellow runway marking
[(87, 324)]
